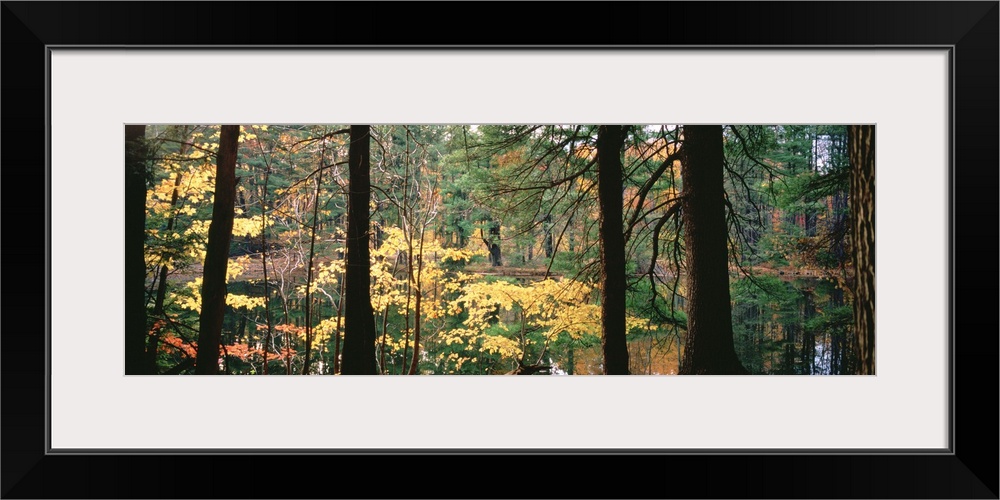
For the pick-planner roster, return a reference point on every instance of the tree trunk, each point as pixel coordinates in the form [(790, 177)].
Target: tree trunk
[(161, 290), (409, 294), (309, 275), (359, 318), (263, 261), (153, 342), (135, 242), (493, 244), (416, 312), (610, 140), (340, 316), (709, 348), (220, 232), (570, 362), (548, 237), (861, 147)]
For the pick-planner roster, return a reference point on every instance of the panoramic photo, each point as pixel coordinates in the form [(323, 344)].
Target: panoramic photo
[(486, 249)]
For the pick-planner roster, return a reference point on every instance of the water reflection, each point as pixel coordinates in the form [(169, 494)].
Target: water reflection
[(788, 327)]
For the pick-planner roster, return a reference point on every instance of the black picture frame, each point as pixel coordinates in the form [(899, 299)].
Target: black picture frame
[(970, 28)]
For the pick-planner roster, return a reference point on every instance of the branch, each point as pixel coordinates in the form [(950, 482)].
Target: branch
[(207, 151), (324, 136), (314, 172), (644, 191), (746, 151)]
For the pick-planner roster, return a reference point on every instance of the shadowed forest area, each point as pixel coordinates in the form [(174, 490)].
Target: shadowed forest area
[(499, 249)]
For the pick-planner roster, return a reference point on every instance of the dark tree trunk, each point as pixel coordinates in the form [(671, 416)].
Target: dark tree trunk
[(416, 312), (153, 342), (548, 237), (220, 232), (861, 147), (309, 274), (495, 259), (708, 349), (263, 261), (340, 317), (241, 331), (570, 362), (161, 290), (135, 260), (493, 244), (359, 318), (377, 236), (610, 140)]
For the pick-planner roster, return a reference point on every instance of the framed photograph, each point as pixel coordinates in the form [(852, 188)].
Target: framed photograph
[(924, 75)]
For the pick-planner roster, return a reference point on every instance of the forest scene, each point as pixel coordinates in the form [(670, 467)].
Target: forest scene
[(270, 249)]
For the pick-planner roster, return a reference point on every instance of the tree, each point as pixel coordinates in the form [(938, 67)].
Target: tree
[(135, 261), (514, 328), (359, 318), (709, 348), (416, 198), (153, 342), (263, 256), (861, 147), (213, 291), (493, 243), (312, 254), (610, 140)]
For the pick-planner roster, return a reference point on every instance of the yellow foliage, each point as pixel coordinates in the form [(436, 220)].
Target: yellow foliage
[(461, 254), (190, 300), (249, 226), (496, 344), (191, 296), (236, 267), (244, 136), (454, 358), (197, 183), (634, 323), (322, 333), (243, 302), (329, 272), (553, 306)]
